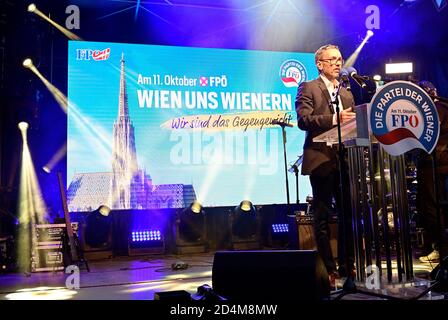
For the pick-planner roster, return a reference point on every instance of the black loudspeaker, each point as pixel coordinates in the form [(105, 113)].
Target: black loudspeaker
[(275, 275)]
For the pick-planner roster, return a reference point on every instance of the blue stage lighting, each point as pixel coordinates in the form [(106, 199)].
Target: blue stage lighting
[(280, 228), (147, 235), (146, 242)]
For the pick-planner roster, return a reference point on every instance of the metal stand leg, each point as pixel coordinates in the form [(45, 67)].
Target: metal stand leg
[(384, 216)]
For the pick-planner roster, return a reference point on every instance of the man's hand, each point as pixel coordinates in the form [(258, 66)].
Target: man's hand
[(346, 115)]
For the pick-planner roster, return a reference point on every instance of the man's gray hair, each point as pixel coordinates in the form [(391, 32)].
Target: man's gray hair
[(321, 50)]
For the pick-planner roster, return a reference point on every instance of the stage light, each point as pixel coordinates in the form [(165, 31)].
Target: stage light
[(23, 126), (27, 63), (196, 207), (191, 223), (57, 94), (354, 56), (190, 229), (246, 206), (55, 158), (33, 9), (32, 209), (244, 227), (146, 242), (98, 228), (279, 234), (146, 236), (103, 210), (377, 77), (398, 68), (280, 228)]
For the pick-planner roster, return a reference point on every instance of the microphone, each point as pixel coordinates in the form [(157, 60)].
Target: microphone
[(344, 79), (355, 76), (281, 123)]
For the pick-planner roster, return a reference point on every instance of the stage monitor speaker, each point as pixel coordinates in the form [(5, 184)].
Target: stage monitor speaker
[(276, 275)]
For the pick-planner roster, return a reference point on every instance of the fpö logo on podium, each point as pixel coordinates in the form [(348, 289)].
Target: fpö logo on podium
[(403, 117)]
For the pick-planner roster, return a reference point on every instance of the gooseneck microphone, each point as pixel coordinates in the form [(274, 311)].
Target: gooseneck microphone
[(355, 76), (343, 75)]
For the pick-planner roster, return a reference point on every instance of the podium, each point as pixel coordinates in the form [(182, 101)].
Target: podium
[(377, 191)]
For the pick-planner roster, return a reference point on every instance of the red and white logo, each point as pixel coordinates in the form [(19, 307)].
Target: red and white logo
[(97, 55), (101, 54), (403, 117), (292, 73)]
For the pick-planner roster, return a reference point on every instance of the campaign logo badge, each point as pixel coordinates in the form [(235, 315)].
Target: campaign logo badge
[(403, 117), (292, 73), (97, 55)]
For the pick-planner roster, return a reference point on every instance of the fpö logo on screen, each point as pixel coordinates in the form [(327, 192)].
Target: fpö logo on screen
[(97, 55), (292, 73), (403, 117)]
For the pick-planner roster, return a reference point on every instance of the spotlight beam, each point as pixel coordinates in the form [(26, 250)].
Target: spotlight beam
[(273, 13), (57, 94), (117, 12), (31, 206), (56, 158), (33, 9), (164, 20), (137, 6), (352, 59)]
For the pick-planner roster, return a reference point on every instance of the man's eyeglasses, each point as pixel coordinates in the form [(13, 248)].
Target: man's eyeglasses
[(334, 61)]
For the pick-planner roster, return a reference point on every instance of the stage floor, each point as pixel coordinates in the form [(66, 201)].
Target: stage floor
[(139, 277)]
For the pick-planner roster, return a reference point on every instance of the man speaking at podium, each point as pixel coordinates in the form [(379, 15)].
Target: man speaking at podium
[(316, 115)]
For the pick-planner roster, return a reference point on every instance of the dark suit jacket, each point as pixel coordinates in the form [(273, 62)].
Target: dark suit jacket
[(315, 116)]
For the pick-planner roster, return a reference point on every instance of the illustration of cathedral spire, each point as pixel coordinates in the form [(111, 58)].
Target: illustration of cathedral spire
[(124, 157), (126, 186)]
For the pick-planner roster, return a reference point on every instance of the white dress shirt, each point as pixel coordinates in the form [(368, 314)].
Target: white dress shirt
[(332, 89)]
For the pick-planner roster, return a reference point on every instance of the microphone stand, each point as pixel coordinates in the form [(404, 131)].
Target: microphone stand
[(335, 101), (296, 172), (293, 232), (283, 125), (286, 166), (349, 286), (295, 169)]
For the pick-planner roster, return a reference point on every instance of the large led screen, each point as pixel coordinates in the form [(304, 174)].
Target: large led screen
[(159, 126)]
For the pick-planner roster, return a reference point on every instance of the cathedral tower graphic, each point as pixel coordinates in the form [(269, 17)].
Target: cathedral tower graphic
[(124, 155), (127, 186)]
